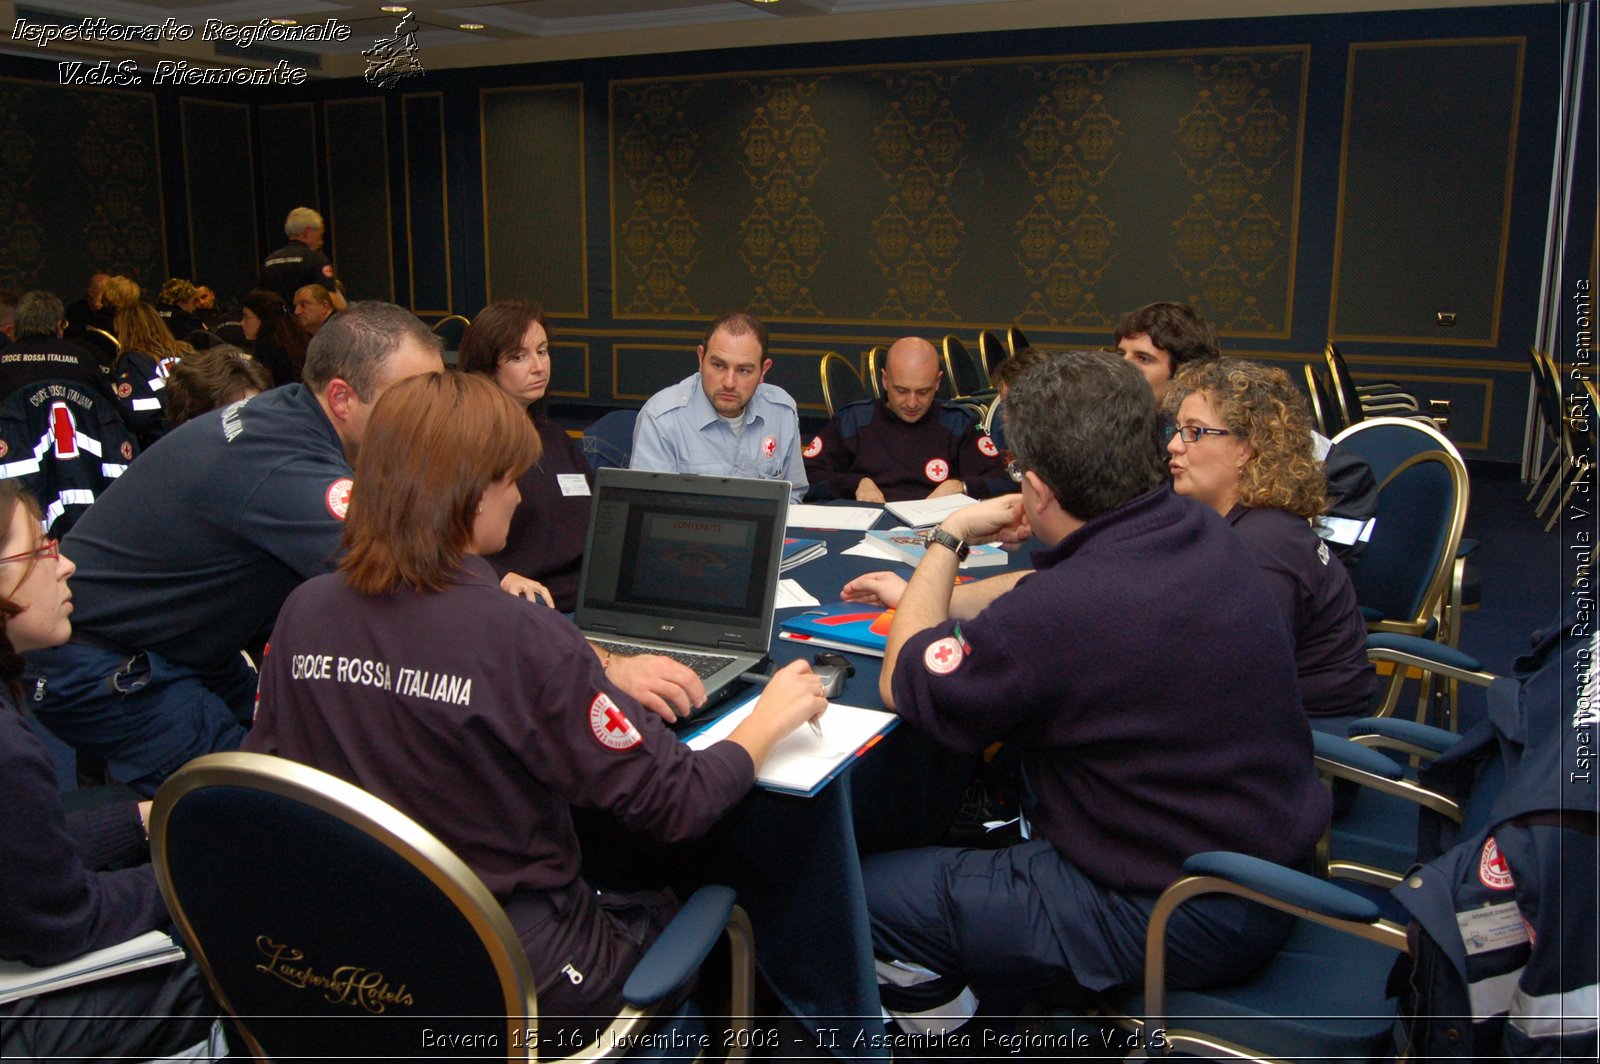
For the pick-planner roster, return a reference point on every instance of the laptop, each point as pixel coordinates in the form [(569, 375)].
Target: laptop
[(686, 566)]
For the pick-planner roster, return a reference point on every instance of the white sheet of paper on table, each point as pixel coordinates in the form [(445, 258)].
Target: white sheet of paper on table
[(845, 518), (792, 596), (802, 759)]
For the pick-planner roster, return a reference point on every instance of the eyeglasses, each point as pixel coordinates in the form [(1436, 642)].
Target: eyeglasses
[(1014, 470), (1192, 433), (50, 548)]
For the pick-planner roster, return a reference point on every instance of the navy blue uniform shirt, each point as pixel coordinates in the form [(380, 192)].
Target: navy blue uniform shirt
[(193, 550), (907, 460)]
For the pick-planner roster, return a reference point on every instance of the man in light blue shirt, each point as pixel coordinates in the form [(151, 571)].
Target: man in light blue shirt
[(723, 421)]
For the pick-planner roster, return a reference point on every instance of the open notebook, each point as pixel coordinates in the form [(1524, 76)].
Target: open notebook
[(803, 762)]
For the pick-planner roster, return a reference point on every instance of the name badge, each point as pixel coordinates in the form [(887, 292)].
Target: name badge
[(573, 484)]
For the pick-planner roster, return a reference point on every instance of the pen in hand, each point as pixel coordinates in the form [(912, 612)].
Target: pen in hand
[(761, 679)]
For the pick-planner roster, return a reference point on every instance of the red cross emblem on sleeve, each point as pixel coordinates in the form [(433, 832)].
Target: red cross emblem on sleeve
[(986, 445), (943, 656), (814, 448), (937, 470), (611, 726), (1492, 867)]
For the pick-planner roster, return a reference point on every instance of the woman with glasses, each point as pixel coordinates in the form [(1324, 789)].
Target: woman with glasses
[(60, 901), (1242, 445), (482, 715)]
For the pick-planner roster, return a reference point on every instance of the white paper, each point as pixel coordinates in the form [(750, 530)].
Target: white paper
[(802, 759), (871, 548), (921, 513), (791, 596), (18, 980), (856, 518), (573, 484)]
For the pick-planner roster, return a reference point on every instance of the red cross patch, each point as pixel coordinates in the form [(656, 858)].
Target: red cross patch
[(937, 470), (610, 726), (769, 446), (986, 445), (4, 450), (127, 450), (338, 498), (814, 448), (1492, 868), (124, 389), (943, 656)]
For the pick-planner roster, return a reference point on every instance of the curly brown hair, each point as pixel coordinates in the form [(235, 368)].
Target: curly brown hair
[(1258, 404)]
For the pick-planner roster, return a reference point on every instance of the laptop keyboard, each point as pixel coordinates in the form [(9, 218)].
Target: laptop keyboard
[(702, 664)]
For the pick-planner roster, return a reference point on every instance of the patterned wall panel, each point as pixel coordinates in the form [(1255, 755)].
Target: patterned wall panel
[(289, 164), (1052, 191), (533, 194), (1430, 142), (358, 196), (427, 197), (80, 181), (222, 206)]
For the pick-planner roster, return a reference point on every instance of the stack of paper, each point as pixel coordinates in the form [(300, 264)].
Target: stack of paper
[(803, 762), (18, 980), (925, 513)]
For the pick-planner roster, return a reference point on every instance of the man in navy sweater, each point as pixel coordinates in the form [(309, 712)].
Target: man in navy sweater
[(1149, 685), (907, 445)]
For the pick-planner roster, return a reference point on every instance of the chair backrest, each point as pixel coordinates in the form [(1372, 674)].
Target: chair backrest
[(1344, 385), (1015, 340), (329, 923), (105, 343), (841, 384), (1547, 392), (1422, 507), (875, 357), (961, 373), (991, 352), (609, 441), (450, 329), (1322, 404)]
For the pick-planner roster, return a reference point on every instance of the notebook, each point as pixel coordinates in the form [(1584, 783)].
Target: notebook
[(802, 762), (685, 566)]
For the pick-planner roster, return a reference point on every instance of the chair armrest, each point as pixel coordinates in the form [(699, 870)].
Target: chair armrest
[(1427, 655), (1285, 885), (1424, 737), (676, 955), (1355, 756)]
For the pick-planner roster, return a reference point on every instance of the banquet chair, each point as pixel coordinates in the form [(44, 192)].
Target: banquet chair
[(991, 352), (331, 925), (963, 378), (841, 384), (1323, 408), (609, 441), (1015, 340), (1357, 402), (450, 329), (875, 357)]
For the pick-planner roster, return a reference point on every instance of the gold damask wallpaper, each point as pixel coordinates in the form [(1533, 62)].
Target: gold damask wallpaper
[(81, 185), (1046, 191)]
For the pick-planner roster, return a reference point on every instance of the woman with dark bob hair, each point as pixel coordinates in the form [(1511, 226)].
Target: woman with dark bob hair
[(1242, 445), (485, 716), (61, 898), (509, 343)]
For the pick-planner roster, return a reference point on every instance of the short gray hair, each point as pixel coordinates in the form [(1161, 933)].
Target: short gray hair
[(38, 314), (353, 344), (1086, 423), (300, 219)]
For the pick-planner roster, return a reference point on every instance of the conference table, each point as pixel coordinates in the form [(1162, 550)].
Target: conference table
[(795, 861)]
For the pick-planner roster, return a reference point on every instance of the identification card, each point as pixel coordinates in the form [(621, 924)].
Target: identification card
[(1492, 927), (573, 484)]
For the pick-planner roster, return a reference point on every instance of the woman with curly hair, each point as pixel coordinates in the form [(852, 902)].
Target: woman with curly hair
[(1242, 445)]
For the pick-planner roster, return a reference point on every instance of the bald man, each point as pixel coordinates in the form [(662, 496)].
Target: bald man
[(907, 445)]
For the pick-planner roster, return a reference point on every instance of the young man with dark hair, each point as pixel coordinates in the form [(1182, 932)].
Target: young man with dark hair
[(1159, 339)]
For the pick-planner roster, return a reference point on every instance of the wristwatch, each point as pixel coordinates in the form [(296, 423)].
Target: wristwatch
[(945, 539)]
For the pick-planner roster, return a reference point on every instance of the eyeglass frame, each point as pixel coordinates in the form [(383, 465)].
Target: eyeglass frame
[(1184, 432), (50, 548)]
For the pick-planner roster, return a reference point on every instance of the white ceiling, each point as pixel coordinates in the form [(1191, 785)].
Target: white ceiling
[(526, 31)]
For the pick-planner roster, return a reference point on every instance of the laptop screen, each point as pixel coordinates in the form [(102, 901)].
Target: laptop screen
[(681, 548)]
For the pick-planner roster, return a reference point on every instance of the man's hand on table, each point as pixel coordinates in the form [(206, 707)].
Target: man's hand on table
[(667, 688), (875, 589), (867, 491), (949, 487)]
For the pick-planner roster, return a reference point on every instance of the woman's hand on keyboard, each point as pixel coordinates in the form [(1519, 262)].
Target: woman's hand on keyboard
[(667, 688)]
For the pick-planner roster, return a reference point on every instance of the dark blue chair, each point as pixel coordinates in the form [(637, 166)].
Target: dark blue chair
[(1015, 340), (963, 377), (450, 329), (841, 384), (991, 352), (330, 925), (608, 443)]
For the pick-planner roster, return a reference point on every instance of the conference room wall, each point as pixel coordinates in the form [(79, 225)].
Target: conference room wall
[(1296, 177)]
